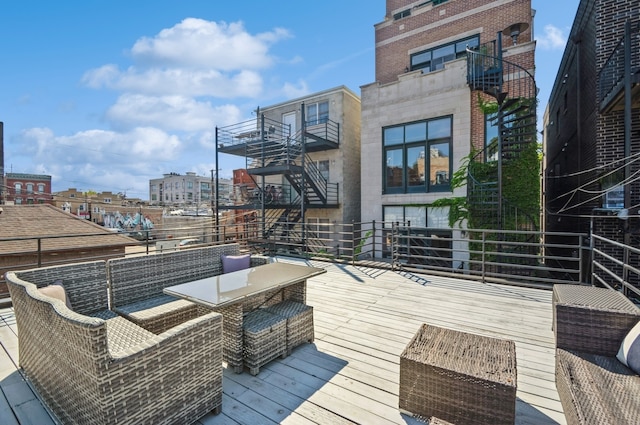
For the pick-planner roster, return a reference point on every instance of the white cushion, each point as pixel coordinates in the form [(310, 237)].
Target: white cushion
[(629, 352), (56, 290)]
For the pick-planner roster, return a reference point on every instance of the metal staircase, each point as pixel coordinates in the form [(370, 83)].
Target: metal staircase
[(271, 149), (514, 89)]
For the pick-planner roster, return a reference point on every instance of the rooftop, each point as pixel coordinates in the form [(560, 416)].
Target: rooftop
[(364, 318)]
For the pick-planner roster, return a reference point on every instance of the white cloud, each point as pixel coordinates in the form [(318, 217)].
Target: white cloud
[(553, 38), (204, 44), (293, 91), (100, 146), (170, 113), (177, 81)]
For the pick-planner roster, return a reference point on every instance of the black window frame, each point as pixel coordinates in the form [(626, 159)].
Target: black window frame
[(459, 50), (390, 152)]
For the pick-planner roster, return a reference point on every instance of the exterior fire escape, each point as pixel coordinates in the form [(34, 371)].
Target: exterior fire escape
[(515, 91), (284, 181)]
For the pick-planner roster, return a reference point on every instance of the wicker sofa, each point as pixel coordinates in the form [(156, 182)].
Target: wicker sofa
[(136, 283), (594, 386), (91, 366), (136, 291)]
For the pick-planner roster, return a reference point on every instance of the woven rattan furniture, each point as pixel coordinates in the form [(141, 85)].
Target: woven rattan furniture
[(458, 377), (590, 319), (85, 285), (94, 371), (299, 318), (237, 293), (264, 339), (136, 284), (594, 387)]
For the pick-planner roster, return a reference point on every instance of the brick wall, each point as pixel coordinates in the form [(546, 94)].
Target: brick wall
[(429, 25)]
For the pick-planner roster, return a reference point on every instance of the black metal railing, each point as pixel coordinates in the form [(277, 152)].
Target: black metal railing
[(611, 76)]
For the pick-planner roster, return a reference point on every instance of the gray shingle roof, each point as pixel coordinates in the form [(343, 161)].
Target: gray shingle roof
[(29, 221)]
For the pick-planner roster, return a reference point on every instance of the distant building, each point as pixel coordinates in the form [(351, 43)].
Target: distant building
[(177, 190), (93, 206), (23, 189)]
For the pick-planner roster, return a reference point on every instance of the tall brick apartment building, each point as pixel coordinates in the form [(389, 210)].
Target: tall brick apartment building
[(592, 125), (422, 115)]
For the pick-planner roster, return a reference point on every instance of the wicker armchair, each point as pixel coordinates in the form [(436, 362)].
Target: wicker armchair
[(94, 371)]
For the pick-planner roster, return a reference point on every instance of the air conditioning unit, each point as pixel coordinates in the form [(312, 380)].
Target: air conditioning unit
[(614, 198)]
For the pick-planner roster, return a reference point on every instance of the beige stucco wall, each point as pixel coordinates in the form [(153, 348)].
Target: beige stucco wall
[(344, 162), (415, 96)]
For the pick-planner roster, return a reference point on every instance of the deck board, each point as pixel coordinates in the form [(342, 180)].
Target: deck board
[(364, 317)]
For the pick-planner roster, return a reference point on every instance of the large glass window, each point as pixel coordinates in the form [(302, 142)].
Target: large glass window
[(434, 59), (408, 168)]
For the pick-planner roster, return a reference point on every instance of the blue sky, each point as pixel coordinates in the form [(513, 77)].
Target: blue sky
[(105, 95)]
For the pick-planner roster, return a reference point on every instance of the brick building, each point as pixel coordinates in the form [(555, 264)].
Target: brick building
[(421, 117), (592, 125), (23, 188)]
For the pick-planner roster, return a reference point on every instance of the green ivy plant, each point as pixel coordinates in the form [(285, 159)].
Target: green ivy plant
[(520, 182)]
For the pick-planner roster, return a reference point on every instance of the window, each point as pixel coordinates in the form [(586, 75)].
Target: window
[(18, 187), (318, 113), (321, 227), (40, 187), (29, 187), (189, 185), (323, 167), (428, 237), (434, 59), (408, 168), (107, 200), (491, 137), (402, 14)]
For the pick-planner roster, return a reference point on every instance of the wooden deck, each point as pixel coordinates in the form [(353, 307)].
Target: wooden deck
[(364, 318)]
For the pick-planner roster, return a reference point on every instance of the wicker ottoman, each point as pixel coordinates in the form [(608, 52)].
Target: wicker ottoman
[(265, 338), (458, 377), (299, 322), (590, 319)]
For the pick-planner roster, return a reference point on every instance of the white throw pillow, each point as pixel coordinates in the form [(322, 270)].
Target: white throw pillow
[(629, 352)]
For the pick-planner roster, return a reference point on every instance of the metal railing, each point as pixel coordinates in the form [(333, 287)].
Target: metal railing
[(511, 257), (621, 271), (611, 76)]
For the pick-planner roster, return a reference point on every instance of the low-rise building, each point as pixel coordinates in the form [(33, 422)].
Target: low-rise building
[(26, 188), (188, 190)]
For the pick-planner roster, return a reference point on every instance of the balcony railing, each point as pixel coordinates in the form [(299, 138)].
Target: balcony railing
[(612, 74)]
